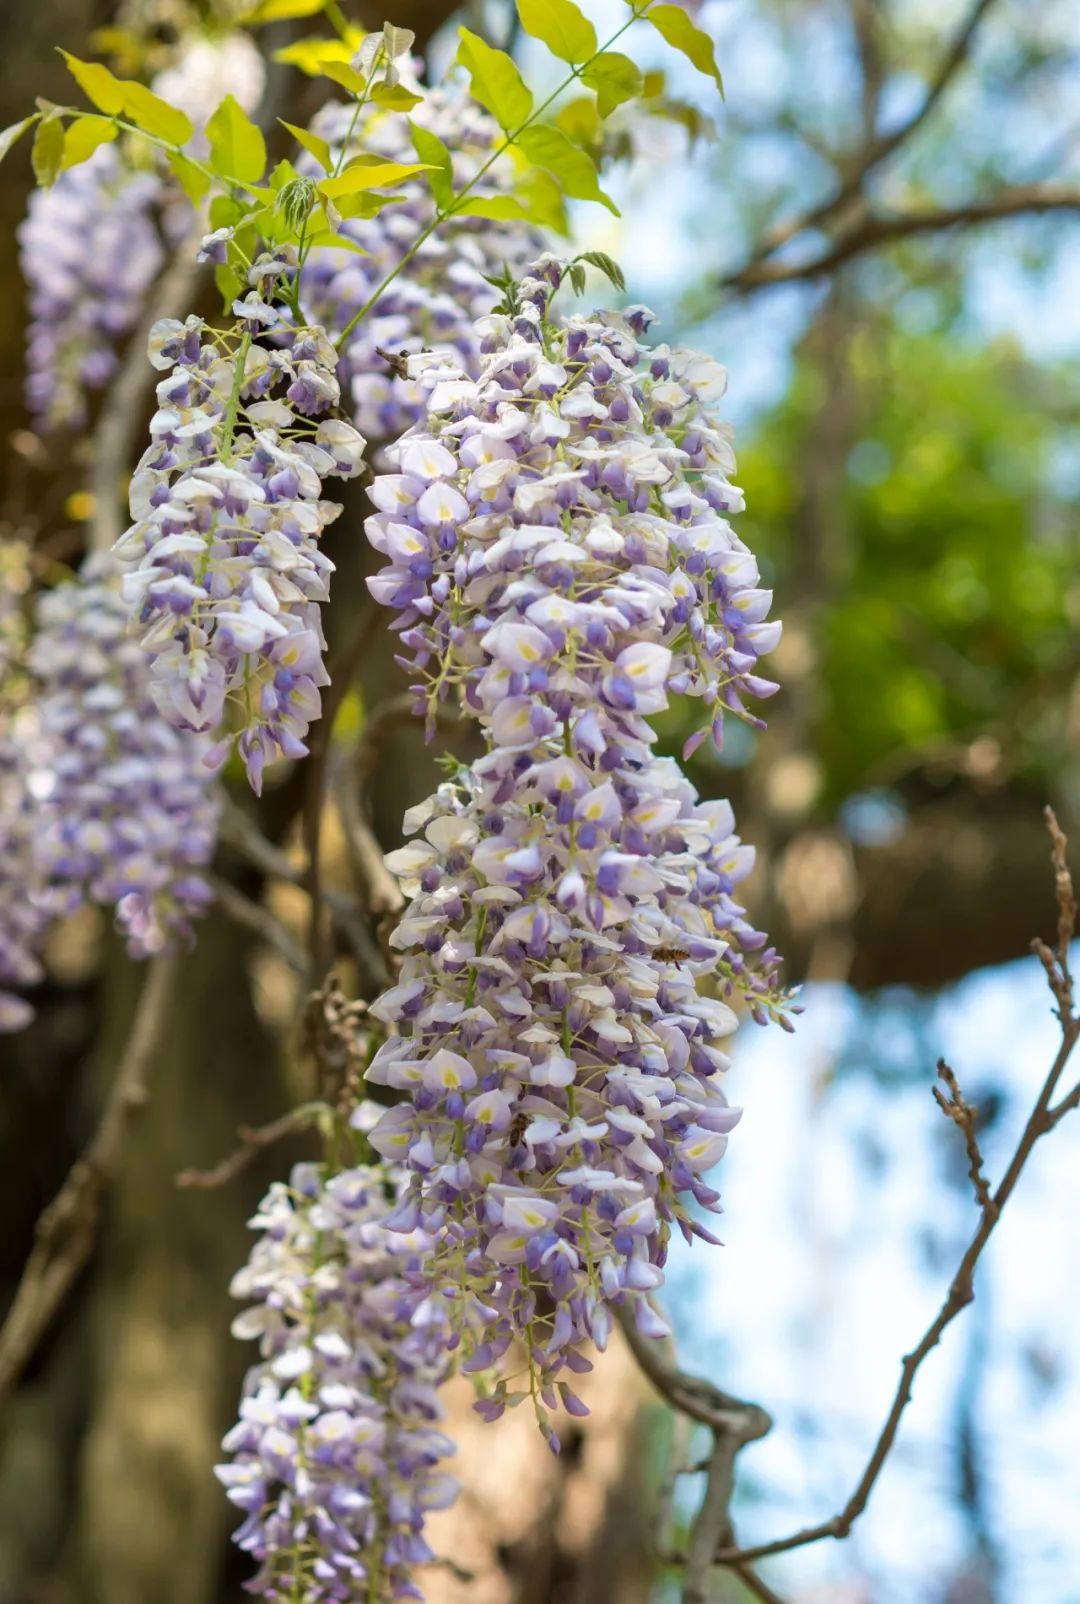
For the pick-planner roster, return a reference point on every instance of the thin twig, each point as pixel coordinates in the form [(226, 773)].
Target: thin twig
[(1043, 1118), (964, 1116), (253, 916), (66, 1231), (253, 1139), (878, 229)]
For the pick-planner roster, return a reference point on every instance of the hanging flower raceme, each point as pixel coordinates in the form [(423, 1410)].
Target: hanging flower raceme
[(437, 295), (225, 570), (561, 561), (125, 815), (90, 251), (90, 245), (336, 1457)]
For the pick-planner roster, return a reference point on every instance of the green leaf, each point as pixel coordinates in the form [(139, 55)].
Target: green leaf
[(280, 11), (48, 150), (339, 72), (496, 208), (311, 55), (361, 176), (340, 242), (574, 169), (495, 81), (395, 97), (237, 147), (155, 116), (615, 79), (97, 84), (192, 180), (580, 121), (607, 265), (12, 135), (82, 138), (431, 150), (312, 144), (543, 199), (561, 26), (673, 24)]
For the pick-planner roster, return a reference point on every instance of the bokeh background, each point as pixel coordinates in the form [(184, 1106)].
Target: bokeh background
[(907, 405)]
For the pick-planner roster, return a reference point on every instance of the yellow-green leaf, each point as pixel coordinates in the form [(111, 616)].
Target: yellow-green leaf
[(48, 150), (615, 79), (495, 81), (83, 136), (395, 97), (12, 135), (237, 147), (312, 144), (280, 11), (560, 24), (311, 55), (155, 116), (580, 121), (574, 169), (674, 25), (340, 242), (192, 180), (361, 176), (497, 208), (97, 84), (543, 200), (341, 73), (431, 150)]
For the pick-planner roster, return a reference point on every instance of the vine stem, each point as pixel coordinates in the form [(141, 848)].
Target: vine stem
[(443, 214)]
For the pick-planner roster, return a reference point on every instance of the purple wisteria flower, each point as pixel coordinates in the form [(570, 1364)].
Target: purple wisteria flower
[(90, 251), (562, 563), (336, 1457), (225, 573), (436, 298), (125, 814)]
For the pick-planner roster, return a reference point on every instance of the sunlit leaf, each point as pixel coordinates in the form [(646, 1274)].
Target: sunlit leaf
[(561, 26), (615, 78), (431, 150), (496, 208), (48, 150), (192, 180), (395, 97), (361, 176), (339, 72), (580, 120), (312, 144), (495, 81), (12, 135), (98, 84), (573, 167), (674, 25), (83, 136), (237, 147), (280, 11), (155, 116), (311, 55)]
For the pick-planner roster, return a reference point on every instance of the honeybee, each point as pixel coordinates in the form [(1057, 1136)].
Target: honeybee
[(675, 955), (518, 1127)]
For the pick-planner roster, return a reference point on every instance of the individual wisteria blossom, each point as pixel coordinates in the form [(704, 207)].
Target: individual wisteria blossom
[(225, 573), (561, 562), (90, 245), (336, 1459), (124, 811), (433, 302)]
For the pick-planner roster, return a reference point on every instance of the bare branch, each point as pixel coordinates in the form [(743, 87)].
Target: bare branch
[(1043, 1118), (877, 229), (252, 1141), (67, 1229), (965, 1117), (253, 916), (872, 154)]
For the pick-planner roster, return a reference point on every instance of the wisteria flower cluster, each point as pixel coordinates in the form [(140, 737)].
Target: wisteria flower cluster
[(560, 559), (26, 909), (91, 246), (438, 294), (225, 572), (336, 1458), (125, 812)]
